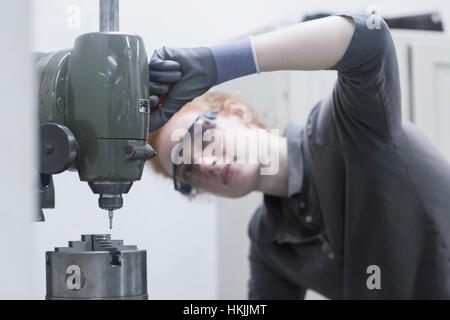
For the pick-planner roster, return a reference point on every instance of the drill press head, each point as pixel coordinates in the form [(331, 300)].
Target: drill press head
[(108, 110), (99, 92)]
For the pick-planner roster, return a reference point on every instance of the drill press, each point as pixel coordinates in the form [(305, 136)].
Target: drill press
[(94, 112), (94, 116)]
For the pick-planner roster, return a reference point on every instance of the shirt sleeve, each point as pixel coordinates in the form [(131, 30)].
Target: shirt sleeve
[(367, 94)]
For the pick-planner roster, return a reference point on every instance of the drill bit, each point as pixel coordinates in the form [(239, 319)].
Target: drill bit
[(110, 215)]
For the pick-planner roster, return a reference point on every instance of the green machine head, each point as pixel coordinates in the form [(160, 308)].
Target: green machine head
[(94, 113)]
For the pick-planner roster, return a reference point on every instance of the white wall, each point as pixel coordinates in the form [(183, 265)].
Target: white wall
[(181, 237), (198, 22), (17, 124)]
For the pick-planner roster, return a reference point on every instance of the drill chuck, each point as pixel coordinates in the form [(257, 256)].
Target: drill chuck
[(110, 201)]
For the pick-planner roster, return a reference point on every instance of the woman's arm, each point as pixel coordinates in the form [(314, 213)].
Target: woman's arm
[(342, 43), (313, 45)]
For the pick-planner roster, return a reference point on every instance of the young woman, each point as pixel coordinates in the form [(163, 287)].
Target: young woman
[(359, 205)]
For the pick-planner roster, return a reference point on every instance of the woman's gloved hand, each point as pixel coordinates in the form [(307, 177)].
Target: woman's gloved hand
[(191, 71), (182, 74)]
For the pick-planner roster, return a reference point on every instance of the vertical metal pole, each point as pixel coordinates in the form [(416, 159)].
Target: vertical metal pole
[(109, 15)]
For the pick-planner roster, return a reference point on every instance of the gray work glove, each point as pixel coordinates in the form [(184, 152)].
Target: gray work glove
[(191, 71)]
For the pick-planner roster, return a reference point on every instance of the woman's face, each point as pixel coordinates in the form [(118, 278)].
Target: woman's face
[(216, 172)]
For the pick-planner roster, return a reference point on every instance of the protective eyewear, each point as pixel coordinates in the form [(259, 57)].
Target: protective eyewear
[(182, 173)]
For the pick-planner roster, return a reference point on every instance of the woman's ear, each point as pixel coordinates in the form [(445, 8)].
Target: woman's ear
[(236, 108)]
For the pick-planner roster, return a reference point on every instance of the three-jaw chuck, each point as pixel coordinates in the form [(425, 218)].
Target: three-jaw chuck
[(97, 268)]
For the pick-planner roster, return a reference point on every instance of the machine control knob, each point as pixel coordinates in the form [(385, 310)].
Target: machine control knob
[(58, 149)]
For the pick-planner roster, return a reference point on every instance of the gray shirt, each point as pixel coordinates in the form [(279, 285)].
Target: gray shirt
[(365, 189)]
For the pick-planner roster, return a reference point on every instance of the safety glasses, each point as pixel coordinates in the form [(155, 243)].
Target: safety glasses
[(182, 173)]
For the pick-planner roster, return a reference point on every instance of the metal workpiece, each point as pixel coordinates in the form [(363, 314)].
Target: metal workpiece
[(109, 15), (97, 268)]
